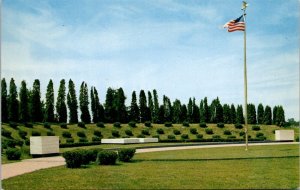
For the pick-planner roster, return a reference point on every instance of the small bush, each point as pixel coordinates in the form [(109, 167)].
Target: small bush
[(184, 136), (220, 125), (74, 158), (209, 131), (13, 125), (242, 133), (255, 128), (6, 133), (12, 143), (194, 131), (171, 137), (186, 124), (126, 154), (238, 126), (132, 124), (107, 157), (203, 125), (83, 139), (27, 142), (155, 136), (81, 124), (297, 139), (147, 124), (259, 135), (199, 136), (216, 136), (13, 154), (141, 136), (160, 131), (100, 124), (117, 125), (176, 132), (115, 133), (35, 133), (63, 125), (96, 139), (231, 137), (22, 134), (97, 133), (145, 132), (47, 125), (128, 132), (69, 140), (168, 124), (28, 125), (227, 132), (81, 134), (50, 133), (66, 134)]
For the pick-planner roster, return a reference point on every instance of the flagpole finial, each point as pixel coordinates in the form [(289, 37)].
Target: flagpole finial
[(244, 6)]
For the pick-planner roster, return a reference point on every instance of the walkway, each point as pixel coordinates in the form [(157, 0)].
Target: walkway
[(30, 165)]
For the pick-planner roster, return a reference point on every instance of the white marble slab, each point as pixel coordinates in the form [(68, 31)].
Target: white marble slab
[(284, 135), (44, 145)]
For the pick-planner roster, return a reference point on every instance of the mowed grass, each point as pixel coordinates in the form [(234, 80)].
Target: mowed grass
[(267, 167)]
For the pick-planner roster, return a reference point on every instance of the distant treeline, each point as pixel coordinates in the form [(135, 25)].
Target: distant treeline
[(28, 106)]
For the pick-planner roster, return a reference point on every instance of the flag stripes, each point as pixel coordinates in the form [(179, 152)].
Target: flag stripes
[(235, 25)]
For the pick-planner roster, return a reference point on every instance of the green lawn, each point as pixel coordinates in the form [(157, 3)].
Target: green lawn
[(268, 167)]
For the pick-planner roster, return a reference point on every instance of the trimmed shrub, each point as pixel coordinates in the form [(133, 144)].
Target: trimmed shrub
[(6, 133), (227, 132), (171, 137), (74, 158), (13, 125), (81, 134), (297, 139), (50, 133), (47, 125), (28, 125), (22, 134), (27, 142), (203, 125), (220, 125), (128, 132), (199, 136), (194, 131), (209, 131), (147, 124), (97, 133), (35, 133), (132, 124), (91, 154), (255, 128), (117, 125), (12, 143), (259, 135), (83, 140), (176, 132), (107, 157), (231, 137), (168, 124), (126, 154), (96, 139), (141, 136), (155, 136), (186, 124), (145, 132), (242, 133), (69, 140), (184, 136), (66, 134), (13, 154), (238, 126), (115, 133), (216, 136), (81, 124), (100, 124), (160, 131), (63, 125)]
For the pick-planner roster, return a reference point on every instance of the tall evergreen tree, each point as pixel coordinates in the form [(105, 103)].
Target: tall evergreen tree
[(268, 115), (196, 112), (24, 110), (13, 103), (84, 103), (150, 106), (219, 114), (167, 109), (61, 107), (183, 115), (176, 111), (143, 106), (206, 111), (202, 116), (4, 101), (280, 116), (49, 107), (190, 110), (251, 114), (121, 113), (36, 104), (161, 114), (134, 113), (227, 114), (216, 112), (93, 106), (233, 113), (96, 107), (275, 115), (260, 114), (109, 109), (239, 115), (155, 108), (72, 103)]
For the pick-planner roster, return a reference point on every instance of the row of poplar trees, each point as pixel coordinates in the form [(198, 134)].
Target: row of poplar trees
[(28, 106)]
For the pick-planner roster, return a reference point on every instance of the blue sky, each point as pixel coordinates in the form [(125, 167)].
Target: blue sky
[(175, 46)]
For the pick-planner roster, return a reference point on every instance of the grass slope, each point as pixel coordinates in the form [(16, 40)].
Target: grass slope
[(262, 167)]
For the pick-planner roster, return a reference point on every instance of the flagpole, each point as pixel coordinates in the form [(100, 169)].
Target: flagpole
[(245, 76)]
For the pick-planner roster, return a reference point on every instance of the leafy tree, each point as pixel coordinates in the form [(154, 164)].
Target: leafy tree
[(227, 114), (84, 103), (13, 103), (239, 115), (251, 114), (143, 107), (176, 111), (155, 108), (150, 106), (268, 115), (24, 110), (206, 110), (61, 107), (72, 103), (260, 114), (134, 113), (4, 101), (49, 107), (167, 109), (36, 104)]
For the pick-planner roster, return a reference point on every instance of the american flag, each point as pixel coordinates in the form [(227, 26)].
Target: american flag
[(236, 25)]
